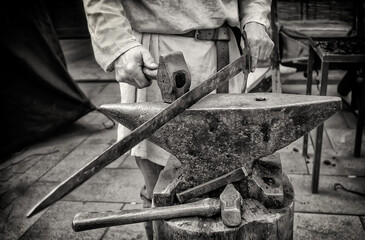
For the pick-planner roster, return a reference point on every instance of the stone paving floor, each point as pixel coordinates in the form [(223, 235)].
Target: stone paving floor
[(28, 176)]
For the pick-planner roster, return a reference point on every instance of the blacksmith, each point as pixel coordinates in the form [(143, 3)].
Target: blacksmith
[(129, 34)]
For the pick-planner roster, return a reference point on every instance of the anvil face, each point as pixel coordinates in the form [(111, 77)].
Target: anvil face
[(223, 132)]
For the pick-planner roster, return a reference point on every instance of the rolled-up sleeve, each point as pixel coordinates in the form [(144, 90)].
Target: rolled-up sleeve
[(255, 11), (110, 31)]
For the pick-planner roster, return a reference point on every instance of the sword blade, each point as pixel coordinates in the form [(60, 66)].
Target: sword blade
[(141, 133)]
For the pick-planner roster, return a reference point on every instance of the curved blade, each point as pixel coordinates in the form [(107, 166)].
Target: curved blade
[(142, 132)]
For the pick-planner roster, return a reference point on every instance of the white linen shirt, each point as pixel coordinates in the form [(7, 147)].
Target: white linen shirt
[(110, 22)]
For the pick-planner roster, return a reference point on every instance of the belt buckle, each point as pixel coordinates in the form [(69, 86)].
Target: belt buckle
[(196, 35), (205, 34), (218, 34)]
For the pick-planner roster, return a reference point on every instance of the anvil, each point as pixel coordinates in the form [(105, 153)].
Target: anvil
[(222, 135), (223, 132)]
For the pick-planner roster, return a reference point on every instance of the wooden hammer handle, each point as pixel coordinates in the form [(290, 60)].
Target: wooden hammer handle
[(90, 220)]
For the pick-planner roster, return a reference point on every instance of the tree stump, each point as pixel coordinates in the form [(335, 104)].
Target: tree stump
[(258, 222)]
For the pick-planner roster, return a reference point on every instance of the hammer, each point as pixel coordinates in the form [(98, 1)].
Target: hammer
[(91, 220), (228, 205), (173, 76)]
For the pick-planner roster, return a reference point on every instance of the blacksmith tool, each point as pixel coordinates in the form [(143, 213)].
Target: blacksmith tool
[(173, 76), (229, 205), (213, 184), (90, 220), (230, 200), (142, 132)]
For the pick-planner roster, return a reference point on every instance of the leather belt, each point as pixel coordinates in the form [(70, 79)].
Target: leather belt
[(222, 36), (217, 34)]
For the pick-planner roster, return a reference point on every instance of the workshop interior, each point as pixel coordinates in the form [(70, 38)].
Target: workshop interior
[(267, 150)]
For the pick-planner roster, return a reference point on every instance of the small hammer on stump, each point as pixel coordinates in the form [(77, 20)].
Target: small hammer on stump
[(91, 220), (228, 205), (173, 76)]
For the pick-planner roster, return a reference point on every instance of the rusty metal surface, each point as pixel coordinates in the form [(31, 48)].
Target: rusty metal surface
[(142, 131), (224, 132), (173, 76), (168, 180), (265, 184)]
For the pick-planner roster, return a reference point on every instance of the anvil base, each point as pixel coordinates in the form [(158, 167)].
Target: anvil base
[(258, 222), (264, 183), (267, 206)]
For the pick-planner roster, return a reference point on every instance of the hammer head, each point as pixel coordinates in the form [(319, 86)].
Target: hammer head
[(173, 76), (230, 200)]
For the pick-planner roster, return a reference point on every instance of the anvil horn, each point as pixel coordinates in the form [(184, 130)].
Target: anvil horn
[(229, 128)]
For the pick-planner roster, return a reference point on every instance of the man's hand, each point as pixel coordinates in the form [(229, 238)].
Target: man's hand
[(259, 42), (128, 67)]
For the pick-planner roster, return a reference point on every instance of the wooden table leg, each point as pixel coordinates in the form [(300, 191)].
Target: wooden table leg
[(319, 137), (308, 92)]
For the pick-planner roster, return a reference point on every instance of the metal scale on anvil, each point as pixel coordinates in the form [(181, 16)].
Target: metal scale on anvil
[(224, 181)]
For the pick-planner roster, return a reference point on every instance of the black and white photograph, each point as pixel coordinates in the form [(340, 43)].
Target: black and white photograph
[(182, 120)]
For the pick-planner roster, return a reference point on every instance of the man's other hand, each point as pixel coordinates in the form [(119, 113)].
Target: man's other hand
[(259, 42), (128, 67)]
